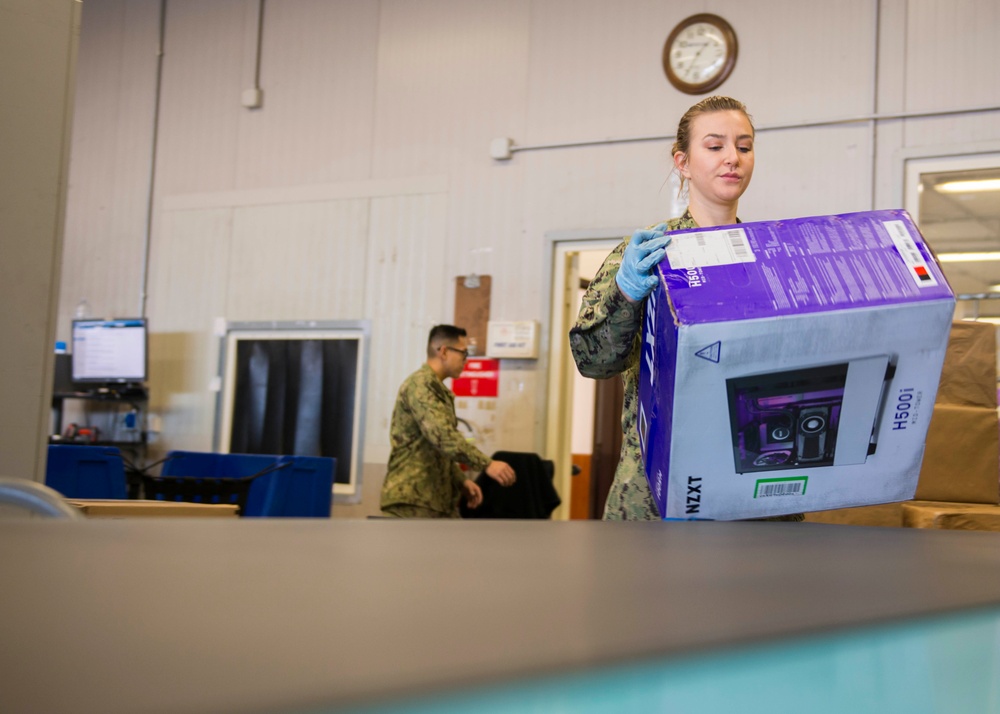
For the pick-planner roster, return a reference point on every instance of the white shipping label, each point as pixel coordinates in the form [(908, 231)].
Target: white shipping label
[(703, 249), (911, 255)]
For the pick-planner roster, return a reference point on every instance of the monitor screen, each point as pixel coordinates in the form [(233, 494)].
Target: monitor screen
[(109, 350)]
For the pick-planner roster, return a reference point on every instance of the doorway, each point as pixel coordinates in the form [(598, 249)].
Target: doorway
[(584, 415)]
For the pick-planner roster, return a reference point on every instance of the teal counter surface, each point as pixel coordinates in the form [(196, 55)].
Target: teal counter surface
[(941, 665)]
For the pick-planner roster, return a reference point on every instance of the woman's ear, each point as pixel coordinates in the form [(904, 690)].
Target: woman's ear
[(680, 163)]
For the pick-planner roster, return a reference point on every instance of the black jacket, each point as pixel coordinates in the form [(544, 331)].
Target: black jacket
[(531, 496)]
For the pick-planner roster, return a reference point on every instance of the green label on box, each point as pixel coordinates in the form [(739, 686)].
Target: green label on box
[(790, 486)]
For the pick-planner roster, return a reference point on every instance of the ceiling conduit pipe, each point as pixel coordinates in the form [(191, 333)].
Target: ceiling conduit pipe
[(147, 238), (511, 148)]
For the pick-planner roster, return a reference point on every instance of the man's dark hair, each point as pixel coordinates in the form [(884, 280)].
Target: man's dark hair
[(443, 335)]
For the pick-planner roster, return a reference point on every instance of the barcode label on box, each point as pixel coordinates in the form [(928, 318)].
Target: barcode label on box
[(771, 487), (703, 249), (911, 254)]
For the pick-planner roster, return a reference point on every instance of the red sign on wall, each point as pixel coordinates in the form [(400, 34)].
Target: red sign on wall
[(480, 378)]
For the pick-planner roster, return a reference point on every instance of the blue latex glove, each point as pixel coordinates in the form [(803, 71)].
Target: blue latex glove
[(637, 275)]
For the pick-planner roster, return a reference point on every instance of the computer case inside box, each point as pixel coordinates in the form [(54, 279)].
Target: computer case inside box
[(810, 416), (785, 419)]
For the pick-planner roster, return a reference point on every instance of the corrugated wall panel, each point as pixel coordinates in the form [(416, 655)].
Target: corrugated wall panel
[(793, 164), (595, 70), (200, 98), (487, 236), (407, 291), (317, 67), (952, 54), (298, 261), (111, 161), (952, 62), (188, 288), (568, 189), (450, 78), (187, 292)]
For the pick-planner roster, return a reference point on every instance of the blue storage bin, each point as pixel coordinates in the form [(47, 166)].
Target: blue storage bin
[(291, 487), (301, 487), (78, 471)]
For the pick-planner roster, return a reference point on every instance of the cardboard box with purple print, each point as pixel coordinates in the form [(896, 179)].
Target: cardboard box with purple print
[(791, 366)]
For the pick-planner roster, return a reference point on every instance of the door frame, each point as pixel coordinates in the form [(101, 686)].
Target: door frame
[(558, 432)]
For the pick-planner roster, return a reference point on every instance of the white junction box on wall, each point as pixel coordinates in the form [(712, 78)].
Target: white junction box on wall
[(512, 339)]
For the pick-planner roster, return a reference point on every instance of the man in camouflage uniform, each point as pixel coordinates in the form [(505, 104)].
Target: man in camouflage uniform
[(606, 341), (424, 479)]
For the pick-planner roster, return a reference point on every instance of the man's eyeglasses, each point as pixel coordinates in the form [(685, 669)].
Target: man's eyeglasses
[(464, 353)]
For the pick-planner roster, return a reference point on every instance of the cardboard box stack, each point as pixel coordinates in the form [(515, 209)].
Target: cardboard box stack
[(962, 458), (951, 516), (959, 484), (791, 365)]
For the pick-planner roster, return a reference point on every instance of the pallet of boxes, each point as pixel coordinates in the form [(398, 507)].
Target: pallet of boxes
[(959, 486)]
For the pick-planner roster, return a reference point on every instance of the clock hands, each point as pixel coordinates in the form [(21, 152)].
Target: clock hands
[(691, 64)]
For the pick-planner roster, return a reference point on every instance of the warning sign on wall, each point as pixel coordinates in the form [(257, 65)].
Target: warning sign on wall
[(476, 391), (480, 378)]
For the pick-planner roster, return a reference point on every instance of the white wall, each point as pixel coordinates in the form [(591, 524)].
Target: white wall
[(364, 185)]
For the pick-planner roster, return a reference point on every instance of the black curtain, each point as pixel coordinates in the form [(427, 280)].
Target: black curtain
[(296, 397)]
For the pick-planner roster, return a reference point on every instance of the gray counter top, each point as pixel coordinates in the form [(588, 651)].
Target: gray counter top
[(265, 615)]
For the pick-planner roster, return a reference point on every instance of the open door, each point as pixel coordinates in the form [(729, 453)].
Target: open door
[(608, 399)]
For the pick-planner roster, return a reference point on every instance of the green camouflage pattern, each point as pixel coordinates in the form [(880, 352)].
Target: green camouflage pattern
[(404, 510), (427, 449), (606, 341)]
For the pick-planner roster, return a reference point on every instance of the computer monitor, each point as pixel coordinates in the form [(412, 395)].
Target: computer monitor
[(109, 351)]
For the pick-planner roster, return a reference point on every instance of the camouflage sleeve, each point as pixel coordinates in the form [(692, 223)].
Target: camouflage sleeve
[(460, 476), (436, 419), (602, 338)]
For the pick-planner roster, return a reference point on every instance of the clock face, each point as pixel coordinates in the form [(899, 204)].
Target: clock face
[(698, 53)]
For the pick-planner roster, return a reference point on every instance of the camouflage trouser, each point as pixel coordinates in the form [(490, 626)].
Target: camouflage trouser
[(405, 510), (796, 517), (630, 498)]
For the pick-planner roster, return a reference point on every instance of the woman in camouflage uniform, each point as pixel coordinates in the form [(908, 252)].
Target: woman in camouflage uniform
[(713, 155)]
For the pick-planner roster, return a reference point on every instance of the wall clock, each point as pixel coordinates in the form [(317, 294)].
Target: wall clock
[(700, 53)]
